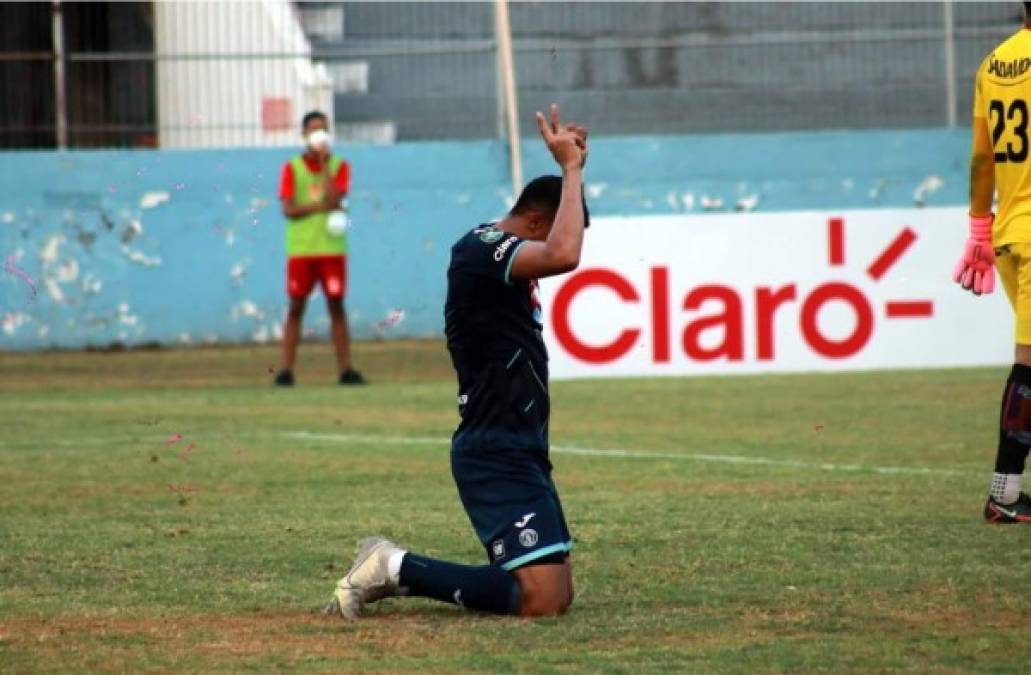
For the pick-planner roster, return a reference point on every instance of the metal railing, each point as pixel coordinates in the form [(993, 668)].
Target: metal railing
[(97, 74)]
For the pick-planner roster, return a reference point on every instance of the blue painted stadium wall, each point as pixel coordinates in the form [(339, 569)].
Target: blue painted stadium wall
[(186, 246)]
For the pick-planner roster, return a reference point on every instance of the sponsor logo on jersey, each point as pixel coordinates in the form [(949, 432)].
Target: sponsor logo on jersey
[(499, 252), (490, 235), (498, 548), (1008, 69)]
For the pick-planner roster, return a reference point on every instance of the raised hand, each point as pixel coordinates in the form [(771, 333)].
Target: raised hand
[(566, 143), (581, 134)]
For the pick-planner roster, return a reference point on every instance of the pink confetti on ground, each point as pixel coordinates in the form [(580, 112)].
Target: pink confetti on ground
[(394, 317), (112, 189), (11, 268), (174, 438)]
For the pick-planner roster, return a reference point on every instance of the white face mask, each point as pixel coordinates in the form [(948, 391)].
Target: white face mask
[(319, 138)]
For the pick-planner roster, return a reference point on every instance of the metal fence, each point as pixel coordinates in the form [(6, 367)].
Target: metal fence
[(92, 74)]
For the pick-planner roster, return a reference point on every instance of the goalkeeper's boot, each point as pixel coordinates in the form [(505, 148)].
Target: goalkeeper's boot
[(1017, 512), (368, 581), (284, 378)]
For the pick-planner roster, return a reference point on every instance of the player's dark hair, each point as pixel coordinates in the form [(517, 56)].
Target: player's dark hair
[(313, 115), (544, 193)]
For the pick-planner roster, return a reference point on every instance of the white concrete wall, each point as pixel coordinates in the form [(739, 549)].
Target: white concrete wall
[(219, 63)]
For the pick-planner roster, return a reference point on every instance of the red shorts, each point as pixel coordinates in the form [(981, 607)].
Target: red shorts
[(328, 270)]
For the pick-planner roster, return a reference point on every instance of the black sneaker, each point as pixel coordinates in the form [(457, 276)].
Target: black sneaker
[(352, 376), (284, 378), (1017, 512)]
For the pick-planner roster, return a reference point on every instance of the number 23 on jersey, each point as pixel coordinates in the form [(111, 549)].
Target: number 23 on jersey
[(1009, 121)]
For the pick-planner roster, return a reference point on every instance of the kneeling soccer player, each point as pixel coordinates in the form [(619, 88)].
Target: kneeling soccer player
[(499, 453)]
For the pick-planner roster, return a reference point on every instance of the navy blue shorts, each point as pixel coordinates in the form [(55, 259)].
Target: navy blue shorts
[(513, 505)]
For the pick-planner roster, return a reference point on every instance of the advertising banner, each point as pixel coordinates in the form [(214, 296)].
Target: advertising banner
[(778, 292)]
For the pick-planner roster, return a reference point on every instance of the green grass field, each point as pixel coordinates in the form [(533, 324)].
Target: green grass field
[(753, 524)]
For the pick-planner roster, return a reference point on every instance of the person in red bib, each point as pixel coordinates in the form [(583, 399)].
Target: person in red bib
[(312, 191)]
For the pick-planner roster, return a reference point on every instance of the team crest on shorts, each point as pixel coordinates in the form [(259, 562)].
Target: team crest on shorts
[(528, 538), (498, 548), (490, 236)]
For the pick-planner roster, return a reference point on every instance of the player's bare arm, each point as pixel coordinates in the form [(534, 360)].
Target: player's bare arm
[(982, 169), (560, 252), (975, 270), (291, 209), (331, 196)]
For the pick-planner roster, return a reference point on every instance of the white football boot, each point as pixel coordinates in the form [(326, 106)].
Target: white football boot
[(368, 580)]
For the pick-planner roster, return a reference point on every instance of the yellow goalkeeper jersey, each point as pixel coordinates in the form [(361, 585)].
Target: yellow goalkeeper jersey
[(1002, 92)]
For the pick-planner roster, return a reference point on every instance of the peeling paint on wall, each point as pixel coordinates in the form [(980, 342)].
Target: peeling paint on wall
[(927, 187), (152, 199), (141, 257), (246, 308), (189, 249)]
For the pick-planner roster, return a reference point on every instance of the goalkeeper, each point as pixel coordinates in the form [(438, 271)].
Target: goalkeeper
[(999, 160)]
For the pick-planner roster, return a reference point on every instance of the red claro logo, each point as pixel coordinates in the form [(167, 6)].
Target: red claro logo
[(767, 302)]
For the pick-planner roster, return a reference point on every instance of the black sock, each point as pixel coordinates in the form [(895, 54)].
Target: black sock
[(1015, 422), (484, 588)]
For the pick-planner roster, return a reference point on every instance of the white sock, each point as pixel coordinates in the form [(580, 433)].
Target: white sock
[(1006, 487), (394, 565)]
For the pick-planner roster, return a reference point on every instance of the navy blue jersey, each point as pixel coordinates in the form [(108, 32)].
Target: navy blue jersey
[(493, 328)]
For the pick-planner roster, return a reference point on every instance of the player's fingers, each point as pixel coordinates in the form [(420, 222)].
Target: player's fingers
[(957, 271), (978, 282), (542, 125), (988, 285), (968, 278), (555, 124)]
